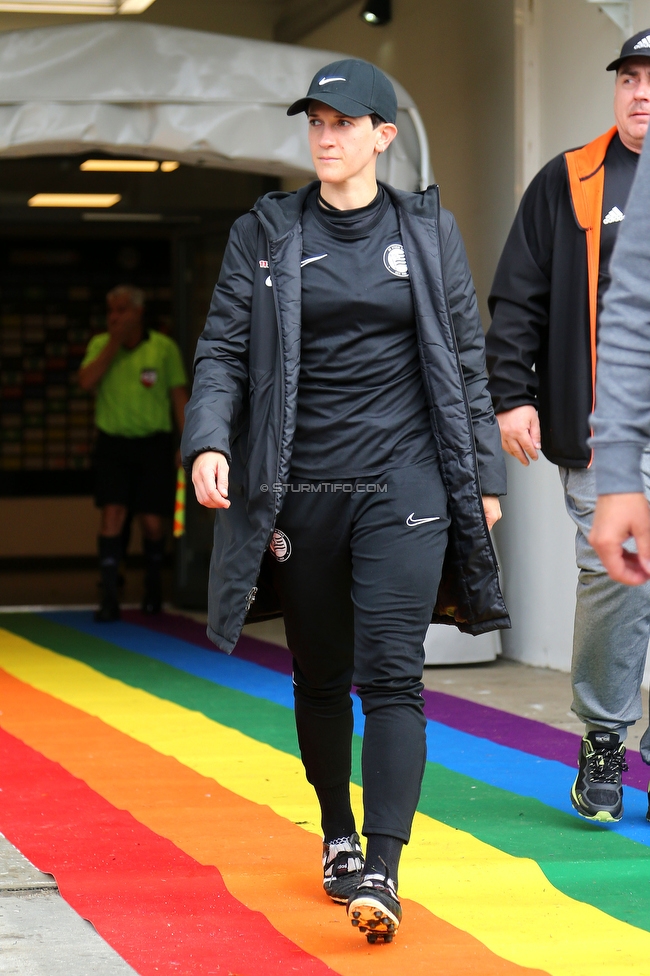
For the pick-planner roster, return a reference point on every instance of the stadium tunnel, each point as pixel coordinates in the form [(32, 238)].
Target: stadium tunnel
[(161, 137)]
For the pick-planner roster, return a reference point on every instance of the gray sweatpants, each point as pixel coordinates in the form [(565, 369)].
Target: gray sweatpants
[(612, 624)]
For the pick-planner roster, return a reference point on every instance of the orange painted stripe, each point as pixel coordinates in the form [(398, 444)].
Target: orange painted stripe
[(268, 863)]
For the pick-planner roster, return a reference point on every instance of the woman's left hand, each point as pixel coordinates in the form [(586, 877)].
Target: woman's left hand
[(492, 509)]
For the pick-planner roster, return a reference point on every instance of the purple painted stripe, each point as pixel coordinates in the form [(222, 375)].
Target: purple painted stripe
[(183, 628), (526, 734)]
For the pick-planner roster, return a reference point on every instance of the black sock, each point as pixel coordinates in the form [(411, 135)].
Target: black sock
[(110, 553), (337, 819), (382, 855)]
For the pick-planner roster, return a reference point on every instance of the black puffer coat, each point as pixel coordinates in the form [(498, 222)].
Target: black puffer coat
[(244, 404)]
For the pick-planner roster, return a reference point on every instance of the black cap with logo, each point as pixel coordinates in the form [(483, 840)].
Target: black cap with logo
[(637, 47), (353, 88)]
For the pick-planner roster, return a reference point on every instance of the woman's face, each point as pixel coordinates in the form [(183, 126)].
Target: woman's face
[(343, 147)]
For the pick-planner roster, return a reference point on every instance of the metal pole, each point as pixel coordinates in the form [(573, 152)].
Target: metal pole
[(426, 173)]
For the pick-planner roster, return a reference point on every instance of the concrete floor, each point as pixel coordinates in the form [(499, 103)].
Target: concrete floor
[(40, 935)]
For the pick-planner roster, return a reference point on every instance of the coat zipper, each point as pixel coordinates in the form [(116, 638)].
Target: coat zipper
[(284, 395)]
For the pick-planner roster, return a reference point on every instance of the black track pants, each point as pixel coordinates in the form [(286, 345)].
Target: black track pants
[(357, 569)]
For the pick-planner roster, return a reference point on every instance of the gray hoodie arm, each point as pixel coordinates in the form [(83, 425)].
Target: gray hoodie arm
[(621, 421)]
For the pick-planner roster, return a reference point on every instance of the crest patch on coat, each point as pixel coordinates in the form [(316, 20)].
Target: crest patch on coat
[(395, 261), (280, 546)]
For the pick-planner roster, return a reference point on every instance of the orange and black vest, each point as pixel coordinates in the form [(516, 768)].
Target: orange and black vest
[(541, 346), (586, 171)]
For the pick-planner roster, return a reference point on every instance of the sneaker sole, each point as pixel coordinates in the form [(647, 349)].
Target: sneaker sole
[(602, 816), (370, 917)]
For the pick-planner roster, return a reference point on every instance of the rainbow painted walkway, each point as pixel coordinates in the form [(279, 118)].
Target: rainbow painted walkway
[(159, 781)]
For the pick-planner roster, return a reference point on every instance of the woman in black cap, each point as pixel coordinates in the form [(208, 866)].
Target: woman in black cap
[(340, 425)]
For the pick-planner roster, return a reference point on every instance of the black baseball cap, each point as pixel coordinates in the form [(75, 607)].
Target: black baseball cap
[(637, 47), (352, 87)]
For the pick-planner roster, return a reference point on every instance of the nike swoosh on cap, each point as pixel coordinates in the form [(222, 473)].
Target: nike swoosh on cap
[(413, 521), (317, 257), (325, 81)]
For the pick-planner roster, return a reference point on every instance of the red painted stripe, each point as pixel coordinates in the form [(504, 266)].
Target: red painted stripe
[(159, 908)]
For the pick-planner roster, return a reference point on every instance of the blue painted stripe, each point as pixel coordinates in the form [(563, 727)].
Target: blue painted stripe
[(222, 669), (507, 768)]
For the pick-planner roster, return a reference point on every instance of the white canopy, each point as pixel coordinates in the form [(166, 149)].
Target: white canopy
[(169, 93)]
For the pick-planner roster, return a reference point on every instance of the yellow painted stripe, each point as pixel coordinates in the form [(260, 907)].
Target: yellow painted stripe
[(505, 902)]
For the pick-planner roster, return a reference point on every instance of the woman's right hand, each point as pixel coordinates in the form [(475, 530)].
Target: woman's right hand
[(210, 479)]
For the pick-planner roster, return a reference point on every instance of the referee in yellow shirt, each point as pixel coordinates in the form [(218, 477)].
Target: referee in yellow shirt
[(140, 382)]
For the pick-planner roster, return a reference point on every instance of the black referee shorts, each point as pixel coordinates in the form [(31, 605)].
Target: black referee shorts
[(137, 472)]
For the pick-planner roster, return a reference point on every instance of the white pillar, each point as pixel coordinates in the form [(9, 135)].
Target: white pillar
[(539, 575), (528, 123), (535, 537)]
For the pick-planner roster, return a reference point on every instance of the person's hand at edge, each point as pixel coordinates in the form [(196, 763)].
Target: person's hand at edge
[(210, 479), (620, 517), (520, 433), (492, 509)]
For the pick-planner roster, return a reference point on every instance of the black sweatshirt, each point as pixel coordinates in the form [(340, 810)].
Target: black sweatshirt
[(361, 403)]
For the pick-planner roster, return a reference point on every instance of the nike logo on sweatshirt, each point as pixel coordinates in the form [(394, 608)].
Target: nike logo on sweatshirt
[(413, 521)]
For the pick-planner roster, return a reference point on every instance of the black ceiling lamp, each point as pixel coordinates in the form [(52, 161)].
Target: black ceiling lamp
[(377, 12)]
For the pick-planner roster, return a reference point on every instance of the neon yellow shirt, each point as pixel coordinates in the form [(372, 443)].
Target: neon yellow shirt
[(133, 394)]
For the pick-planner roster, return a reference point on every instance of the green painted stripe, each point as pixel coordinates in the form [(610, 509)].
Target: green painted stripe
[(261, 719), (587, 863)]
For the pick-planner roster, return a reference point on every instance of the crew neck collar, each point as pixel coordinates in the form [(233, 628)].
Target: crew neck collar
[(350, 224)]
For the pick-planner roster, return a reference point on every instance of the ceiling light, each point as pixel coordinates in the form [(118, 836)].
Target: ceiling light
[(377, 12), (122, 218), (169, 165), (134, 6), (119, 166), (74, 200), (75, 6)]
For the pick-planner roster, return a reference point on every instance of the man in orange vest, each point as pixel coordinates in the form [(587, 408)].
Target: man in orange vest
[(541, 350)]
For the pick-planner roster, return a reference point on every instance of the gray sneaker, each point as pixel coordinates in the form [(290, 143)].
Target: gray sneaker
[(597, 793), (342, 867)]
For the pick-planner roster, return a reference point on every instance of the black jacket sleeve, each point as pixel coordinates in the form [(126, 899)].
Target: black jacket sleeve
[(520, 297), (471, 349), (221, 360)]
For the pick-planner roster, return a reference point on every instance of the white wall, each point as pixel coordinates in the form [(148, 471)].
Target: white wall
[(577, 43), (536, 550)]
